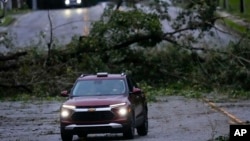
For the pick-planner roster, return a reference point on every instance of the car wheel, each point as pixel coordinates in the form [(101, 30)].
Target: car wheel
[(66, 136), (142, 130), (129, 131)]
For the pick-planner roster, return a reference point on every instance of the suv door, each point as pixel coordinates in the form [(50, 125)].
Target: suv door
[(137, 99)]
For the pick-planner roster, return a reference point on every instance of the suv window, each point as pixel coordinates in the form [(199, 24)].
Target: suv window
[(131, 83), (99, 87)]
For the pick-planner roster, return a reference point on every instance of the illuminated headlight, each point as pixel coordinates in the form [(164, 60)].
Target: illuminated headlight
[(66, 110), (78, 1), (67, 2), (64, 113), (123, 111)]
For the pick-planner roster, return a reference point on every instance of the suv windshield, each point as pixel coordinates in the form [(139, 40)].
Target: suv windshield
[(99, 87)]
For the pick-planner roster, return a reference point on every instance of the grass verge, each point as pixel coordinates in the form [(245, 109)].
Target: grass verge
[(235, 27), (234, 8), (18, 11), (171, 90), (7, 21), (152, 92), (192, 92), (231, 25)]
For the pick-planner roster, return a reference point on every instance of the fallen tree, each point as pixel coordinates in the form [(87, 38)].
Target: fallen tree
[(126, 41)]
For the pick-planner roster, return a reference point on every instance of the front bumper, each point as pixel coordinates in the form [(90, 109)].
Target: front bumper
[(110, 125), (95, 128), (94, 120)]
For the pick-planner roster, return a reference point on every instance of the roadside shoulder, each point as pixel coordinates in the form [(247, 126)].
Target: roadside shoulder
[(233, 22)]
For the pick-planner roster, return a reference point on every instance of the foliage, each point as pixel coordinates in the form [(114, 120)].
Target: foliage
[(235, 26), (152, 92), (234, 7), (166, 71), (230, 68), (132, 41), (222, 138)]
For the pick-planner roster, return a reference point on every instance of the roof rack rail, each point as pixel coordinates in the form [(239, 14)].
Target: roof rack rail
[(123, 73), (102, 74)]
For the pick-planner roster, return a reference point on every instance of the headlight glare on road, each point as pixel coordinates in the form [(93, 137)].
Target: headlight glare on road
[(123, 111), (64, 113)]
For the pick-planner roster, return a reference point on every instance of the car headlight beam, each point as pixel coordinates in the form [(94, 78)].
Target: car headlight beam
[(67, 2), (123, 111), (64, 113), (78, 1)]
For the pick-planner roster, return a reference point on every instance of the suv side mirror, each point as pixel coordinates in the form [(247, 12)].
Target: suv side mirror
[(64, 93), (136, 91)]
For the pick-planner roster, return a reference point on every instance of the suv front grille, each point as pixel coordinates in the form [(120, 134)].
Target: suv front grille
[(93, 116)]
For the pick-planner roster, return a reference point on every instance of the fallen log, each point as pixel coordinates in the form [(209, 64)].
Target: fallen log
[(12, 56)]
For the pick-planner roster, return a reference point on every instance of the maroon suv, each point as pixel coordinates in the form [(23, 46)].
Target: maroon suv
[(104, 103)]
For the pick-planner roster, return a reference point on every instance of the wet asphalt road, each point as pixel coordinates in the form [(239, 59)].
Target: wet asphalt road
[(66, 23), (34, 27), (171, 119)]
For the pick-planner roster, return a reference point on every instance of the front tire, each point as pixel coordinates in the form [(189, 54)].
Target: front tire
[(129, 131), (142, 130), (66, 135)]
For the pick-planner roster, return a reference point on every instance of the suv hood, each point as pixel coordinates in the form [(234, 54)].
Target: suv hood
[(96, 100)]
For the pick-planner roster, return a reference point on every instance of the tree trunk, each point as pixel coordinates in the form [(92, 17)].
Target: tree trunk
[(34, 4), (242, 6), (4, 10), (225, 4), (9, 5), (119, 3)]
